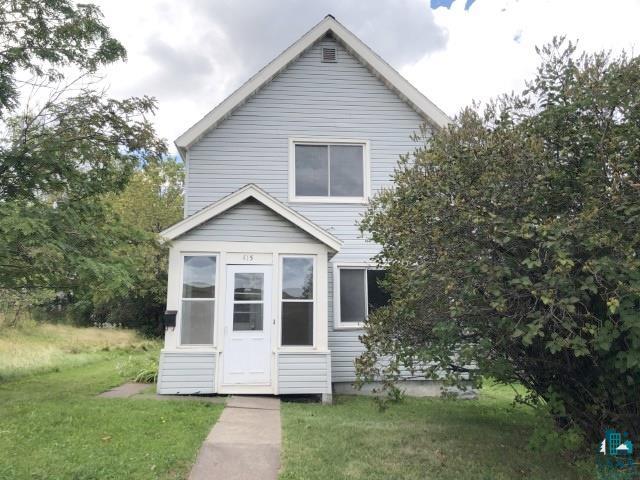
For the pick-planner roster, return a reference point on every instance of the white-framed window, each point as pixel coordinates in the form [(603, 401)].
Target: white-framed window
[(297, 301), (198, 299), (328, 170), (357, 292)]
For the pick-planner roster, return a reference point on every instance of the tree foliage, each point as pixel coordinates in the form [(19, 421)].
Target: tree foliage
[(512, 240), (64, 145), (42, 37), (151, 202)]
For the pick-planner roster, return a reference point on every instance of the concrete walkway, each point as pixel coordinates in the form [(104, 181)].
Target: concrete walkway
[(147, 391), (125, 391), (244, 444)]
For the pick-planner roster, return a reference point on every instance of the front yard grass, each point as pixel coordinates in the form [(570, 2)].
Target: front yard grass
[(40, 347), (428, 438), (52, 426)]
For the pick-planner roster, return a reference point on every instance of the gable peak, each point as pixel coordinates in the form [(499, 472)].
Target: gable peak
[(327, 26)]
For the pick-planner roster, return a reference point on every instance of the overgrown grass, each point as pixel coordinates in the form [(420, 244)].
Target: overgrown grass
[(53, 426), (35, 348), (417, 439)]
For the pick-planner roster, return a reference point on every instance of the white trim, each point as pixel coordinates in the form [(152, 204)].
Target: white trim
[(366, 169), (251, 191), (425, 107), (185, 189), (298, 348), (246, 389), (337, 320)]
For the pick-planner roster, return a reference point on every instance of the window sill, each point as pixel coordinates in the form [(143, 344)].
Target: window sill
[(202, 348), (296, 348), (343, 326), (334, 200), (305, 350)]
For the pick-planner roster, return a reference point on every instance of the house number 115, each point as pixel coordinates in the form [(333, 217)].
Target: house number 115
[(247, 258)]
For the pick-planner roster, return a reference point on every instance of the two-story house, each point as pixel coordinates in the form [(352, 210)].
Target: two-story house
[(269, 276)]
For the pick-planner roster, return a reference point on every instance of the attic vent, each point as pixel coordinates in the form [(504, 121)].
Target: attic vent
[(329, 54)]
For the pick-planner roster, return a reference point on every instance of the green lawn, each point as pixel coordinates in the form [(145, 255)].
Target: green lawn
[(52, 426), (417, 439)]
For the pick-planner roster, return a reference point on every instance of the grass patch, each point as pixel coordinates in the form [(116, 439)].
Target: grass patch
[(419, 438), (53, 426), (36, 348)]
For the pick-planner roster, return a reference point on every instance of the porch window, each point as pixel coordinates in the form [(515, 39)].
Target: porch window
[(198, 300), (359, 293), (297, 301), (328, 172)]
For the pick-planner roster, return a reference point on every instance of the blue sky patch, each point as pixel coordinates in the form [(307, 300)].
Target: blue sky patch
[(447, 3)]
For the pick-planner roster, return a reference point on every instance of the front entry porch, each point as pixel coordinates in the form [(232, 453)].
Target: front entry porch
[(248, 282), (252, 322)]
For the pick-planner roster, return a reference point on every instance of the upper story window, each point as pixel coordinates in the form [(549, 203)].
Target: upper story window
[(329, 171)]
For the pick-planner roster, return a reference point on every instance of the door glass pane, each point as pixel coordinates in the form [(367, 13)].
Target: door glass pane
[(312, 170), (199, 277), (377, 296), (248, 286), (352, 301), (297, 278), (297, 323), (347, 177), (247, 316), (197, 322)]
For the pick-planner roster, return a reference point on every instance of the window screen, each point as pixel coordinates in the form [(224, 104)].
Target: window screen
[(353, 305), (376, 295), (198, 300), (248, 301), (297, 301), (329, 170), (360, 293)]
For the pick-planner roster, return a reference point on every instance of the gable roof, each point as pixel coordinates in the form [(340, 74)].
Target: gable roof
[(425, 107), (255, 192)]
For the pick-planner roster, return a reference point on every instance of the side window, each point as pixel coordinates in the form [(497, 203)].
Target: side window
[(198, 300), (359, 294), (297, 301)]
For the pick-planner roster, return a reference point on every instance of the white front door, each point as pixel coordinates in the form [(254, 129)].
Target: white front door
[(247, 326)]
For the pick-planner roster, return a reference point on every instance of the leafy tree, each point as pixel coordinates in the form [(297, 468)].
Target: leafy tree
[(151, 202), (63, 146), (512, 240), (42, 37)]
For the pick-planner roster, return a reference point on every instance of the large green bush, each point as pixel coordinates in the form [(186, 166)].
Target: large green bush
[(512, 240)]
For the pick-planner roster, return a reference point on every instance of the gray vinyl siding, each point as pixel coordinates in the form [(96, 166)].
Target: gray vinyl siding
[(186, 373), (249, 221), (308, 99), (316, 100), (300, 373)]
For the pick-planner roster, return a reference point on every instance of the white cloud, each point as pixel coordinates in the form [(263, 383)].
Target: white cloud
[(191, 54), (491, 46)]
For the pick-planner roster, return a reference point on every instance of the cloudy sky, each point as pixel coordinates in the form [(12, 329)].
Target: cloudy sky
[(191, 54)]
